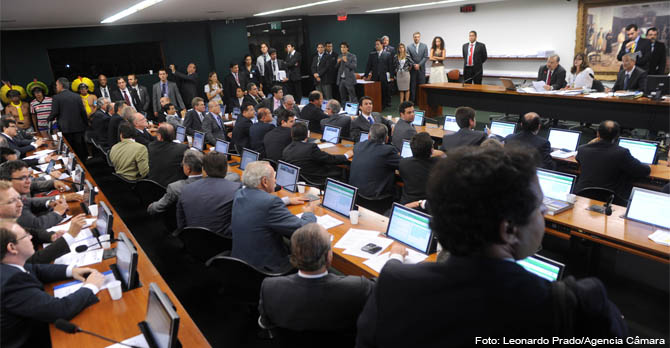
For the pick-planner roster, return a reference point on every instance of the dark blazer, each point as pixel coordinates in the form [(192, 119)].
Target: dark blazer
[(338, 120), (331, 76), (293, 66), (314, 115), (257, 133), (48, 254), (540, 144), (297, 303), (322, 67), (637, 81), (68, 110), (188, 85), (36, 215), (26, 307), (113, 130), (98, 92), (379, 65), (212, 129), (402, 130), (192, 122), (314, 163), (474, 297), (257, 237), (255, 101), (144, 137), (373, 168), (644, 47), (248, 76), (144, 98), (464, 137), (165, 162), (269, 75), (479, 56), (414, 173), (118, 96), (361, 124), (207, 203), (557, 77), (235, 103), (241, 137), (17, 144), (390, 50), (657, 59), (270, 104), (229, 87), (275, 141), (610, 166), (295, 109), (99, 127)]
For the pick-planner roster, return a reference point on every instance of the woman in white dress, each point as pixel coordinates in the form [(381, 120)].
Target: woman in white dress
[(580, 75), (437, 56), (213, 88)]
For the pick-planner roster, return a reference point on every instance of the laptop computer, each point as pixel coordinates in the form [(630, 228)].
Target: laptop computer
[(363, 137), (248, 156), (649, 207), (543, 267), (646, 151), (222, 146), (199, 140), (418, 118), (503, 128), (508, 83), (564, 142), (304, 101), (450, 123), (412, 228), (287, 176), (331, 134), (556, 186), (351, 109), (305, 122), (181, 134), (406, 149), (339, 197)]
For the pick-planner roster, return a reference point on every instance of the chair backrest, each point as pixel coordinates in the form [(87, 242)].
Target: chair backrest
[(120, 177), (203, 244), (272, 162), (598, 86), (149, 191), (380, 205), (243, 277), (313, 182), (453, 75), (299, 339), (598, 193)]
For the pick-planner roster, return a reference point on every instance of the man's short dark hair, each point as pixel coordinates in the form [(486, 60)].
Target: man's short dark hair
[(232, 64), (127, 130), (5, 151), (167, 107), (271, 51), (631, 26), (299, 131), (215, 164), (246, 106), (283, 116), (275, 89), (473, 32), (120, 78), (475, 189), (363, 98), (196, 101), (118, 105), (379, 40), (6, 236), (378, 133), (608, 130), (404, 105), (37, 89), (651, 29), (6, 123), (9, 167), (421, 145), (250, 85), (344, 43), (164, 70), (530, 123), (316, 95), (309, 248), (167, 132), (13, 93), (463, 116), (63, 81)]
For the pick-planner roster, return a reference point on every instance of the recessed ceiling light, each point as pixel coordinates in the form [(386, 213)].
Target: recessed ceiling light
[(127, 12), (296, 7), (413, 5)]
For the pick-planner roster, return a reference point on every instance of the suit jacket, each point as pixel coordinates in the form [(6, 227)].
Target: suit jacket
[(255, 101), (99, 127), (346, 71), (113, 130), (314, 163), (98, 92), (17, 144), (188, 85), (295, 109), (390, 50), (609, 166), (173, 94), (51, 252), (644, 47), (241, 137), (557, 77), (361, 124), (270, 104), (212, 129), (338, 120), (657, 59), (229, 87), (314, 115), (464, 137), (275, 141), (130, 159), (257, 237), (68, 110), (533, 141), (378, 65), (248, 76), (402, 130), (322, 67), (257, 133), (373, 168), (144, 137), (637, 81), (165, 162), (192, 122), (414, 172), (144, 98), (207, 203), (35, 215), (419, 58), (297, 303), (269, 72), (479, 55), (474, 297), (26, 307), (171, 196), (293, 66), (331, 75), (117, 95)]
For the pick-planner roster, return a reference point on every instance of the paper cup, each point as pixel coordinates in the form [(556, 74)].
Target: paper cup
[(301, 186), (115, 290), (190, 140), (353, 217), (570, 198)]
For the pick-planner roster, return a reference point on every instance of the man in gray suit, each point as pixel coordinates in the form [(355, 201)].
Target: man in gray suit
[(165, 88), (212, 124), (418, 51), (192, 167), (346, 74), (142, 93), (467, 135), (404, 129)]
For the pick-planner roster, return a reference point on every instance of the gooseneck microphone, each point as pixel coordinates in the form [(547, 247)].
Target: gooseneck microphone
[(66, 326)]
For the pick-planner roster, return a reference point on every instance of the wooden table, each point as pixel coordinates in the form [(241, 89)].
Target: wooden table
[(372, 89), (631, 113)]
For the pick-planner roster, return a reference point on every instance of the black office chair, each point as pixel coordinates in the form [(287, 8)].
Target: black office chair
[(312, 182), (282, 337), (272, 162), (380, 205), (149, 191), (602, 194), (106, 154), (598, 86), (132, 183), (203, 244)]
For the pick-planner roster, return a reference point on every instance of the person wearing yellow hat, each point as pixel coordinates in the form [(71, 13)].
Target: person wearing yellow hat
[(20, 110), (40, 107), (84, 85)]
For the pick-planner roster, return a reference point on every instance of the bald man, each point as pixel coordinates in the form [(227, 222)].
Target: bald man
[(530, 126)]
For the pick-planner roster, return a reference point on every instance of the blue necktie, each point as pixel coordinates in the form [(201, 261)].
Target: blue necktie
[(164, 89), (625, 81), (372, 120), (218, 120)]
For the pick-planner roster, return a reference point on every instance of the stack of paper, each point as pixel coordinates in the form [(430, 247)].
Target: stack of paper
[(63, 290), (377, 263), (660, 237), (563, 154), (81, 259), (354, 240), (326, 221), (325, 145), (137, 341)]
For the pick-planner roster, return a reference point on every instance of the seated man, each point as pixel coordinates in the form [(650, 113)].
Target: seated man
[(335, 119), (288, 103), (552, 73), (26, 307), (530, 126), (208, 202), (403, 129), (274, 101), (212, 124), (366, 119), (258, 130), (374, 165), (276, 140), (261, 219), (312, 111), (171, 115), (607, 165), (113, 126), (10, 132), (140, 123), (130, 159), (630, 77), (466, 135), (487, 212), (254, 96), (415, 170), (242, 125), (195, 116), (165, 157), (316, 165), (192, 168)]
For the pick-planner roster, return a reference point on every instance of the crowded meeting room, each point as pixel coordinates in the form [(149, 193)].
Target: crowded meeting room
[(336, 173)]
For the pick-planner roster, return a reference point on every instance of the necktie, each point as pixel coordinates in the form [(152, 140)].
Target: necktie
[(632, 48), (625, 81), (164, 89), (652, 47), (237, 79), (549, 77), (470, 57), (372, 120), (104, 93), (275, 69), (125, 96), (218, 120), (318, 61), (417, 49)]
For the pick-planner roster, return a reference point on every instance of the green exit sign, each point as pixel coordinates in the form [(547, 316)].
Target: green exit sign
[(275, 25)]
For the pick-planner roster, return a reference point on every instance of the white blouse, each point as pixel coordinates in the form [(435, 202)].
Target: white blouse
[(583, 79), (209, 89)]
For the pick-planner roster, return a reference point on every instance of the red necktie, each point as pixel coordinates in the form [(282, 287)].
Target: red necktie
[(470, 57), (125, 96), (549, 77)]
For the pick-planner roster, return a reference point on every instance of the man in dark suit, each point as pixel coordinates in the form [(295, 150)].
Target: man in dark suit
[(418, 51), (274, 101), (374, 164), (142, 95), (10, 133), (253, 96), (293, 62), (258, 130), (315, 164), (114, 122), (165, 88), (367, 118), (195, 116), (26, 307), (191, 166), (272, 68), (100, 121), (657, 60), (480, 280), (630, 77), (636, 45), (277, 139), (102, 90), (69, 111), (387, 47), (331, 75), (230, 84), (188, 82), (313, 113), (415, 170), (346, 74), (467, 135), (208, 202), (213, 125), (552, 74), (530, 126), (165, 157), (403, 129), (379, 67), (242, 125), (128, 95), (140, 123), (605, 164), (288, 103), (321, 68), (335, 119), (257, 237), (474, 56)]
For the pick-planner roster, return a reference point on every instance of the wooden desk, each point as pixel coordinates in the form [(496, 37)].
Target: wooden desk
[(632, 113), (372, 89)]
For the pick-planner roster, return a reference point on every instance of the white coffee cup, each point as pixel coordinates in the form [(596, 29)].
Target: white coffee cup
[(301, 186), (115, 291), (353, 217), (190, 140), (570, 198)]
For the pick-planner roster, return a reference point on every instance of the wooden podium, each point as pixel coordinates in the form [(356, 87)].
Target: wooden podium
[(372, 89)]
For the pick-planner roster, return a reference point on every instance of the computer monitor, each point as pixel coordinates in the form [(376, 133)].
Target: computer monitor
[(125, 268), (406, 149), (161, 324), (50, 167), (79, 177), (248, 156), (503, 128), (658, 82), (199, 140), (103, 224), (61, 146), (303, 121), (304, 101), (236, 112), (646, 151), (222, 146), (351, 109), (339, 197), (181, 134), (287, 176), (650, 207), (543, 267), (363, 137), (555, 185), (418, 118), (564, 139), (410, 227), (450, 123), (71, 162), (331, 134), (89, 193), (324, 105)]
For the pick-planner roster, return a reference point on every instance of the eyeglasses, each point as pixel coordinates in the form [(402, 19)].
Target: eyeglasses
[(12, 201), (22, 178), (22, 237)]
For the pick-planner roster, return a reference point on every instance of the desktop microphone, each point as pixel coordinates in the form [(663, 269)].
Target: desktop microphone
[(608, 206), (83, 248), (66, 326)]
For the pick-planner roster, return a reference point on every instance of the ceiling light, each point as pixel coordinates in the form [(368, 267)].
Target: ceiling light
[(296, 7), (414, 5), (127, 12)]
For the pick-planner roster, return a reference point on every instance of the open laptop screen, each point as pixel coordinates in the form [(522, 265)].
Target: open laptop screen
[(181, 134), (543, 267), (649, 207), (221, 146), (564, 139), (450, 123), (644, 151), (248, 156), (287, 176), (324, 105), (304, 101), (418, 118), (502, 129), (199, 140), (331, 134), (410, 227), (555, 185), (339, 197), (351, 108), (406, 149), (364, 137)]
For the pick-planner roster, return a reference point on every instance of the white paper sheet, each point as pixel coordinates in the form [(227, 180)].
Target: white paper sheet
[(326, 221), (377, 263), (561, 154), (63, 290), (81, 259), (325, 145), (539, 86), (355, 250), (137, 341), (353, 237), (660, 237)]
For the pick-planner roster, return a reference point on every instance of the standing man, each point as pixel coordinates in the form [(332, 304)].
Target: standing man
[(331, 76), (321, 67), (346, 74), (40, 107), (68, 110), (142, 94), (379, 68), (165, 88), (552, 74), (103, 90), (418, 51), (474, 56), (20, 110), (272, 68), (261, 60), (636, 45), (124, 94), (293, 60), (230, 84), (188, 81), (388, 48), (657, 58)]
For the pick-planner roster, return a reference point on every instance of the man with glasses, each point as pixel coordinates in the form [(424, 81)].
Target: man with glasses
[(10, 132)]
